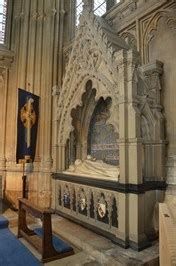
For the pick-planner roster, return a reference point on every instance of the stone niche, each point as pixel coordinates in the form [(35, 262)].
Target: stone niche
[(109, 107), (92, 134), (102, 140)]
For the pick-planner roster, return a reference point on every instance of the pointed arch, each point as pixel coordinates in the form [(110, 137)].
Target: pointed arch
[(151, 28), (93, 57)]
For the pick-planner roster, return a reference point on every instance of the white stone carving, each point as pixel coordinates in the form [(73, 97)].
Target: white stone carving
[(94, 169), (92, 57)]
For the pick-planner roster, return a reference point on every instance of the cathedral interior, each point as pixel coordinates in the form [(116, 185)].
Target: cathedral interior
[(99, 167)]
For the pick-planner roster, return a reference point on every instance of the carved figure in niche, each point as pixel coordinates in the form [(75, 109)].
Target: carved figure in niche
[(94, 168)]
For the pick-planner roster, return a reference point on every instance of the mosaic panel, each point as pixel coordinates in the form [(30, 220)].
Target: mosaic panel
[(102, 139)]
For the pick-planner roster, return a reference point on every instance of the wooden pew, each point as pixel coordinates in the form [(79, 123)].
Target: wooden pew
[(43, 245)]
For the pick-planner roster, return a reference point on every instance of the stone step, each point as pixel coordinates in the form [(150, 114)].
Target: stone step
[(102, 250), (79, 259)]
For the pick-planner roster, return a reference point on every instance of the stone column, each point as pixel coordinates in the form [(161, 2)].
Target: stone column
[(37, 23), (5, 64), (137, 237), (3, 104), (155, 146), (130, 145), (55, 94), (57, 79), (134, 135), (13, 175), (123, 156), (44, 181)]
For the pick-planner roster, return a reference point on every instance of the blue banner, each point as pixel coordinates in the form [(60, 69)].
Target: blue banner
[(27, 123)]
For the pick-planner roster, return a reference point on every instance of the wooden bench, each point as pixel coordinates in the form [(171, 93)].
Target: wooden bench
[(44, 245)]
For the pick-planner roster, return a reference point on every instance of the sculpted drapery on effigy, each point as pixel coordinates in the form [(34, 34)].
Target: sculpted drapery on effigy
[(94, 168)]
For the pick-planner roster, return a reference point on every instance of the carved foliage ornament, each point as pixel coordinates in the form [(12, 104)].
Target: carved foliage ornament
[(90, 49), (130, 39)]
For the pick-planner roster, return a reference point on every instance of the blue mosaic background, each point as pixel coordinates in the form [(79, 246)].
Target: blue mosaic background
[(102, 139)]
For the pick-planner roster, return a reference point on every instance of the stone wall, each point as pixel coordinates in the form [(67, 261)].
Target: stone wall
[(150, 28), (34, 40)]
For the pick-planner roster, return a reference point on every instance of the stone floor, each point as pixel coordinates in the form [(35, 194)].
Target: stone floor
[(90, 249), (100, 248)]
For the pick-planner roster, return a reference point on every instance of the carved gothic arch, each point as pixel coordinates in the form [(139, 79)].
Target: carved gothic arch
[(103, 88), (148, 117), (93, 57), (151, 28), (145, 128), (151, 118), (82, 114)]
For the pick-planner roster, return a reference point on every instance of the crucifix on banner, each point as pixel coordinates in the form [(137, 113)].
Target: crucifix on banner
[(28, 118), (28, 109)]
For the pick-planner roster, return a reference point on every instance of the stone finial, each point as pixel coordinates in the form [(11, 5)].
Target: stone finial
[(55, 90), (87, 4)]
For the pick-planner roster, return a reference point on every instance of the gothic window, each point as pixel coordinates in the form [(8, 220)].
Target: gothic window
[(100, 7), (79, 8), (3, 15)]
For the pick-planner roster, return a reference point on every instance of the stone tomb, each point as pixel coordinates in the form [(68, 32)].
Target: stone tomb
[(107, 116)]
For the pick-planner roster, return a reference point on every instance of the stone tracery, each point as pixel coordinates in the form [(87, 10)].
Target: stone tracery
[(102, 56), (170, 17)]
